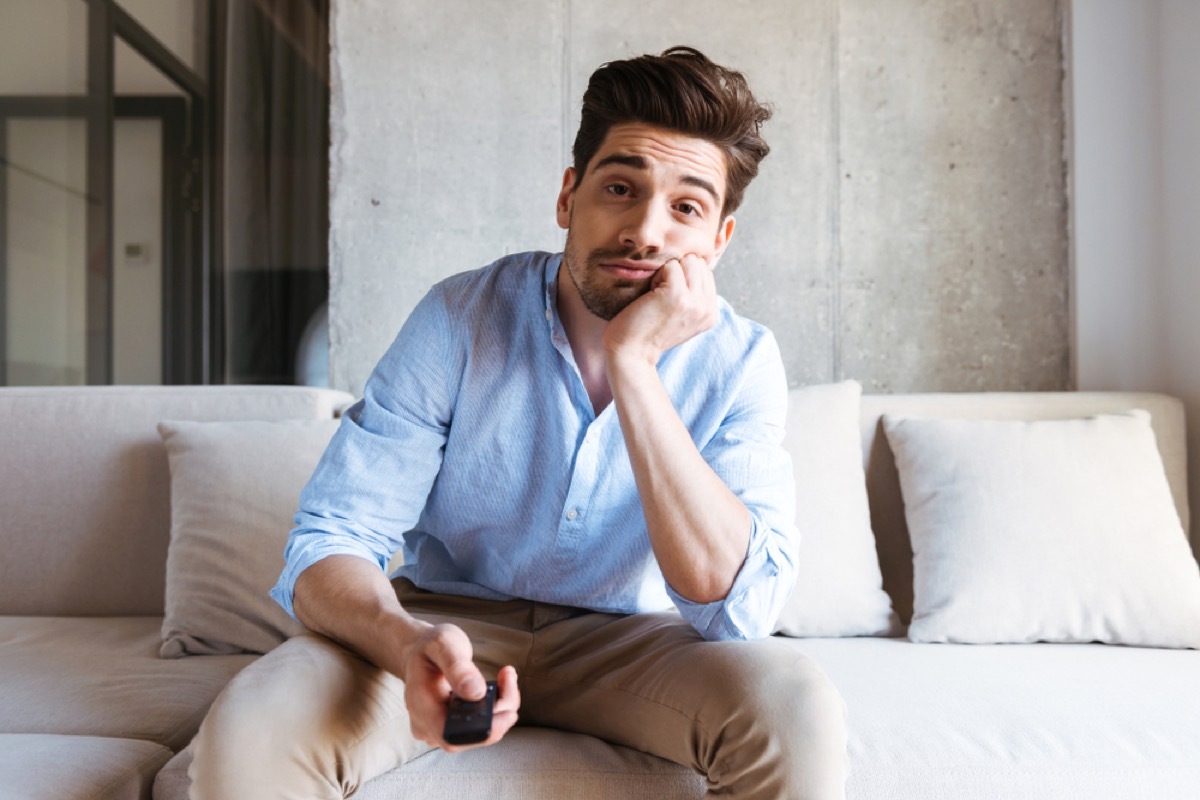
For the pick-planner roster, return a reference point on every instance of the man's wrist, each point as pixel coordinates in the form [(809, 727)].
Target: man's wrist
[(631, 362), (407, 637)]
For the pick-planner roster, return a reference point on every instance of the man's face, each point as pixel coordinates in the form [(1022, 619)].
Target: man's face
[(648, 195)]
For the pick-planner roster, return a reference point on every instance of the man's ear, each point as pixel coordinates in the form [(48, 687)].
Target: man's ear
[(724, 235), (566, 198)]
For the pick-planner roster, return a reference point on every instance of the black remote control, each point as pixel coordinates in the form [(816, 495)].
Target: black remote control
[(470, 721)]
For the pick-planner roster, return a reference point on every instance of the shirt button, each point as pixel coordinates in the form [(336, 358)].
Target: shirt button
[(572, 514)]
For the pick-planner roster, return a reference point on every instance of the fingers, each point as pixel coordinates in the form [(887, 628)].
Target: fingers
[(504, 712), (441, 664), (451, 652), (689, 272), (694, 265), (695, 261), (510, 694), (690, 278), (681, 303)]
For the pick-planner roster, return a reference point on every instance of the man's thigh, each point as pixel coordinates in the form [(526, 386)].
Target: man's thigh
[(311, 719), (724, 708)]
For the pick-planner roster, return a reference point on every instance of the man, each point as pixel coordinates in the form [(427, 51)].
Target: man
[(565, 447)]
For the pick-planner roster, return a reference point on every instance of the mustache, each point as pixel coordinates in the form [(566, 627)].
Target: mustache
[(627, 254)]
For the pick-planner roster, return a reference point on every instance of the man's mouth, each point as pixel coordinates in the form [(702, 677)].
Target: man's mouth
[(630, 270)]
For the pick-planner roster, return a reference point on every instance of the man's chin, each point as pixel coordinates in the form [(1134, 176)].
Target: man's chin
[(608, 306)]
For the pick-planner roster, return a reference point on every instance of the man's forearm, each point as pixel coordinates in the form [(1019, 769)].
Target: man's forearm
[(351, 601), (698, 528)]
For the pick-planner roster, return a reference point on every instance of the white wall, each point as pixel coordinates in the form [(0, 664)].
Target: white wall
[(1136, 121), (1117, 191), (1180, 64)]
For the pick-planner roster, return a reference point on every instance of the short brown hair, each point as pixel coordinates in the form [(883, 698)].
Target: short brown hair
[(683, 91)]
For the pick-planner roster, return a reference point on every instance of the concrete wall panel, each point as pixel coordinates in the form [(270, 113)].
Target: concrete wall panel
[(908, 228), (953, 213), (446, 131)]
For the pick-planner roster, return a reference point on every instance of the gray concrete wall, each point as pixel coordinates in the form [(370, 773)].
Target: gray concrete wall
[(908, 229)]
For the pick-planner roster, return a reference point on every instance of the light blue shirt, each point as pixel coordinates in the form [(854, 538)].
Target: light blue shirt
[(476, 450)]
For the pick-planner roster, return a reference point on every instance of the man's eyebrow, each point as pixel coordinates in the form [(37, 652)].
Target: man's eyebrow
[(637, 162), (700, 183)]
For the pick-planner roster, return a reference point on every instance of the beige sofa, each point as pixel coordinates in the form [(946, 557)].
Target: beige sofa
[(88, 708)]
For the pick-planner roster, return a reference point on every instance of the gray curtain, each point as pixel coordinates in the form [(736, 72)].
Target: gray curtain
[(276, 180)]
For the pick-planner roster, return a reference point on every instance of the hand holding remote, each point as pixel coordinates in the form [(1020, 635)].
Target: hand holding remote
[(438, 668)]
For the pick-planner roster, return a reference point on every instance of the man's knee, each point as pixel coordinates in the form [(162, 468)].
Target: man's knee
[(297, 687), (304, 716), (784, 692), (785, 728)]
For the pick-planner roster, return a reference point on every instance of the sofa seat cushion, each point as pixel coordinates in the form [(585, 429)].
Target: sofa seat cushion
[(37, 766), (1039, 720), (529, 764), (937, 722), (101, 676)]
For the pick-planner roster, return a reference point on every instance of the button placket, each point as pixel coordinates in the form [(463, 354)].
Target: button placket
[(579, 493)]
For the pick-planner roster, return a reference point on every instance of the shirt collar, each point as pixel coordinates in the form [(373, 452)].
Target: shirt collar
[(558, 334), (550, 282)]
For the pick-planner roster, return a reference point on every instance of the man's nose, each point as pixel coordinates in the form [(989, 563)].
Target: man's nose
[(645, 228)]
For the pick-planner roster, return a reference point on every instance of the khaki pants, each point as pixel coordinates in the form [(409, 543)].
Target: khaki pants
[(311, 720)]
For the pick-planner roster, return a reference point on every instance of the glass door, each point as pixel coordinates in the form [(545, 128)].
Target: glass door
[(46, 322), (105, 275), (46, 325)]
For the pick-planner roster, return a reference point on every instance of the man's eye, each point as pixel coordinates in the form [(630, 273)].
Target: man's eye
[(688, 209), (619, 189)]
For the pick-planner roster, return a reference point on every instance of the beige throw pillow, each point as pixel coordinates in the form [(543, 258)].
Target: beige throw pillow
[(1060, 531), (235, 487), (839, 588)]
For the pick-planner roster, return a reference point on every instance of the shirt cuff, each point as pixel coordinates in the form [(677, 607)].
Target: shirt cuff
[(749, 610)]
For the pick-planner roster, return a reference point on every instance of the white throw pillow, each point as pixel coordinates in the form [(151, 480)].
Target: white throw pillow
[(839, 589), (1052, 530), (235, 487)]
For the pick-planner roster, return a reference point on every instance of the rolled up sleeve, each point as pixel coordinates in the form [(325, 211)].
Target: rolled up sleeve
[(372, 482), (747, 453)]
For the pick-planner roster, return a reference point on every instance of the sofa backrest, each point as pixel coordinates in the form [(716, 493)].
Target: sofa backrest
[(85, 488), (883, 482)]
